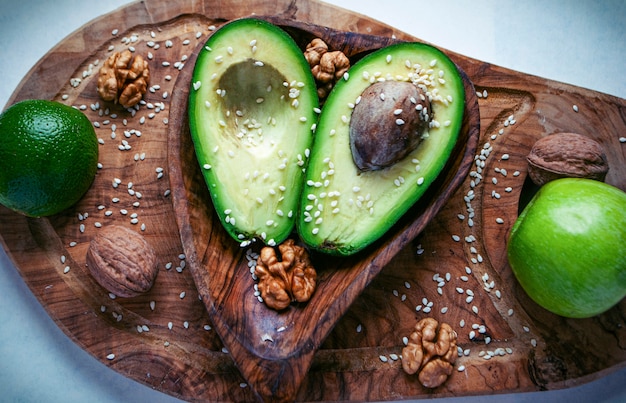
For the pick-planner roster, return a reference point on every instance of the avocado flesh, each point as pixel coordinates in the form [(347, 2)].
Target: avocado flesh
[(251, 108), (343, 209)]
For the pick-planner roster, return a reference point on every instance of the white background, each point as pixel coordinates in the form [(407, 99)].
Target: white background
[(578, 42)]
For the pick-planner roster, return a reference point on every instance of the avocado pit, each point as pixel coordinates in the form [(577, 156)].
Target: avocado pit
[(387, 124)]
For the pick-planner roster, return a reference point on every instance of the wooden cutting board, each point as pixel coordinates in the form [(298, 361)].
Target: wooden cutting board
[(165, 338)]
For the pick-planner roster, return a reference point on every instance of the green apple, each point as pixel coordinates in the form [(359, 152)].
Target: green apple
[(568, 247)]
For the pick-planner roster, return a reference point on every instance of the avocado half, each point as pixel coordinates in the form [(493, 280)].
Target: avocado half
[(344, 209), (252, 107)]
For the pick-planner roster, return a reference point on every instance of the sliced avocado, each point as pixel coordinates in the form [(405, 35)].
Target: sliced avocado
[(252, 105), (354, 192)]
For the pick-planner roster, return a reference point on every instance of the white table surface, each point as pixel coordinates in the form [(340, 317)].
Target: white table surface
[(578, 42)]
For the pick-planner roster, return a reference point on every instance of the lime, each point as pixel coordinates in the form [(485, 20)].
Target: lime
[(48, 157)]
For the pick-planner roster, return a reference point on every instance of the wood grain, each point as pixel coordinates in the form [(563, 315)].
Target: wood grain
[(220, 268), (188, 360)]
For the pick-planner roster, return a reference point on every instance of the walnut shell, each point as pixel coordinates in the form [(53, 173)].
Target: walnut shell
[(564, 155), (122, 261)]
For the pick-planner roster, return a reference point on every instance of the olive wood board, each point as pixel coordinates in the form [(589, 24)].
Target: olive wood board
[(274, 350), (166, 339)]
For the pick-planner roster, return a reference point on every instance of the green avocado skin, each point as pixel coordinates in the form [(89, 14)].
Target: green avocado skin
[(344, 210), (567, 248), (251, 110)]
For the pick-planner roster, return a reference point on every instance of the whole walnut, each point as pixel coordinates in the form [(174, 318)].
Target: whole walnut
[(563, 155), (122, 261)]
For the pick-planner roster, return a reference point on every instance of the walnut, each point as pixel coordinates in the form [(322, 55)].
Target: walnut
[(282, 281), (314, 51), (327, 66), (123, 79), (122, 261), (563, 155), (432, 351)]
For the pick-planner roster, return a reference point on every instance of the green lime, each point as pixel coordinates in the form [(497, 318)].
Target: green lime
[(48, 157)]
